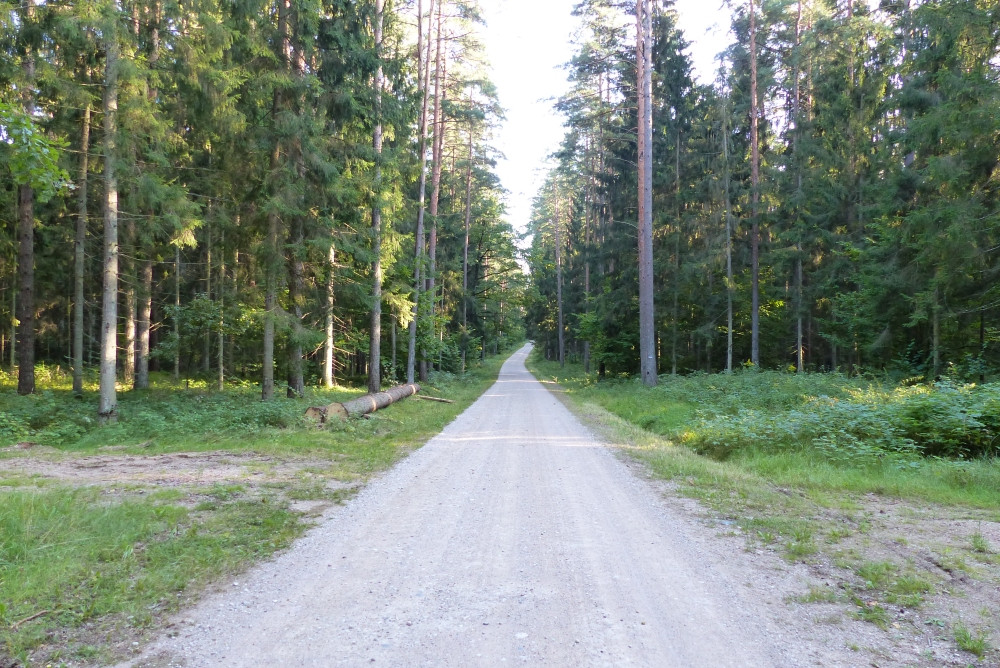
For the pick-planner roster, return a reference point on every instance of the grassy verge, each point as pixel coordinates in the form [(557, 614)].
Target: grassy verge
[(88, 564), (893, 525)]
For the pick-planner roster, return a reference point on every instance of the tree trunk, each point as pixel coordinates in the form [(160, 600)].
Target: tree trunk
[(143, 329), (206, 343), (424, 76), (437, 150), (465, 254), (108, 405), (647, 333), (329, 377), (270, 303), (177, 313), (559, 298), (220, 335), (128, 358), (363, 405), (26, 290), (729, 242), (375, 334), (79, 252), (25, 311), (296, 294), (755, 187)]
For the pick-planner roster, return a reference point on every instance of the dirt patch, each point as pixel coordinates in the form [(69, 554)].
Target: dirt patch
[(156, 471), (891, 580)]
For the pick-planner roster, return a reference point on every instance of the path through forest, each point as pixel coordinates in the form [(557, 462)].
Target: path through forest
[(512, 537)]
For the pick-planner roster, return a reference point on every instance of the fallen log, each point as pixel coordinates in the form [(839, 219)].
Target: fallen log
[(363, 405)]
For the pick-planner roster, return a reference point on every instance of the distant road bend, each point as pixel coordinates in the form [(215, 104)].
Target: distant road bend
[(513, 537)]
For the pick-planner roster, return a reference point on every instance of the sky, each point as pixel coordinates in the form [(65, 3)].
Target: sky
[(528, 42)]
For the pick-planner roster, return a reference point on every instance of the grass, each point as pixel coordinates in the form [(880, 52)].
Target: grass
[(83, 568), (976, 643)]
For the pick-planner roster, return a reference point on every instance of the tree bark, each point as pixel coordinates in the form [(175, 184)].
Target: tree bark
[(25, 310), (437, 150), (177, 313), (79, 252), (559, 296), (329, 377), (128, 357), (647, 333), (465, 254), (364, 405), (108, 404), (755, 187), (375, 335), (26, 290), (424, 75), (143, 326)]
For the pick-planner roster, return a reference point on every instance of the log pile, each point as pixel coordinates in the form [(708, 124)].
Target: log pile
[(363, 405)]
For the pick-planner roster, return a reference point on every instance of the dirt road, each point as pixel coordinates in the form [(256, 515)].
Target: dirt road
[(512, 537)]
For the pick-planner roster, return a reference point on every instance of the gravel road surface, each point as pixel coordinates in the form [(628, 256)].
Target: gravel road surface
[(513, 537)]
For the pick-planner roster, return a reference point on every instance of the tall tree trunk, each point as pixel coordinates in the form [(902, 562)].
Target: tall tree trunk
[(675, 311), (559, 295), (108, 404), (375, 334), (644, 61), (177, 313), (755, 187), (424, 76), (221, 335), (270, 300), (143, 326), (296, 294), (25, 307), (329, 378), (128, 358), (729, 241), (26, 290), (79, 252), (437, 159), (465, 254), (797, 117), (206, 343)]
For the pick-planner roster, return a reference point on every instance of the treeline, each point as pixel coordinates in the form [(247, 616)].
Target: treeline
[(832, 201), (264, 189)]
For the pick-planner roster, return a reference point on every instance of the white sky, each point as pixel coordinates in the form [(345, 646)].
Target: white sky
[(527, 42)]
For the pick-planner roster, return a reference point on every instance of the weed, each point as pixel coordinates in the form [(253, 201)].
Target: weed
[(818, 595), (980, 544), (977, 643)]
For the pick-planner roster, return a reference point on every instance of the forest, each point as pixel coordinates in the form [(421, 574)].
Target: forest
[(272, 192), (830, 202)]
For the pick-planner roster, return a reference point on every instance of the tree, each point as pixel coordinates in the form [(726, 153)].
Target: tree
[(644, 60)]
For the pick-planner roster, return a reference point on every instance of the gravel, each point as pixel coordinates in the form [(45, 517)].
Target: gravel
[(513, 537)]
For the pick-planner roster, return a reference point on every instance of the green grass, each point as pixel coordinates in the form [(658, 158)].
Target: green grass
[(100, 566), (976, 643), (750, 426)]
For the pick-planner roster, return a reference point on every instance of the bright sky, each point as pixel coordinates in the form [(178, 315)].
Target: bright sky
[(528, 41)]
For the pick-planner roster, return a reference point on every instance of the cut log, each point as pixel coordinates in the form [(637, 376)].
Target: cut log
[(369, 403)]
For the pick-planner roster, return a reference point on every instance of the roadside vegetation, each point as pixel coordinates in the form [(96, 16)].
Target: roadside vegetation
[(106, 529), (891, 490)]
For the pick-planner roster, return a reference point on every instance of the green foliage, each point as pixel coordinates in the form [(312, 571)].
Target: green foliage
[(31, 156)]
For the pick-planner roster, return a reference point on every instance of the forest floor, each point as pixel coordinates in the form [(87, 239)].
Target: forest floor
[(516, 536)]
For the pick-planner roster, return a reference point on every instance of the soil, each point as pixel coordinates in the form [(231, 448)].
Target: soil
[(516, 535)]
